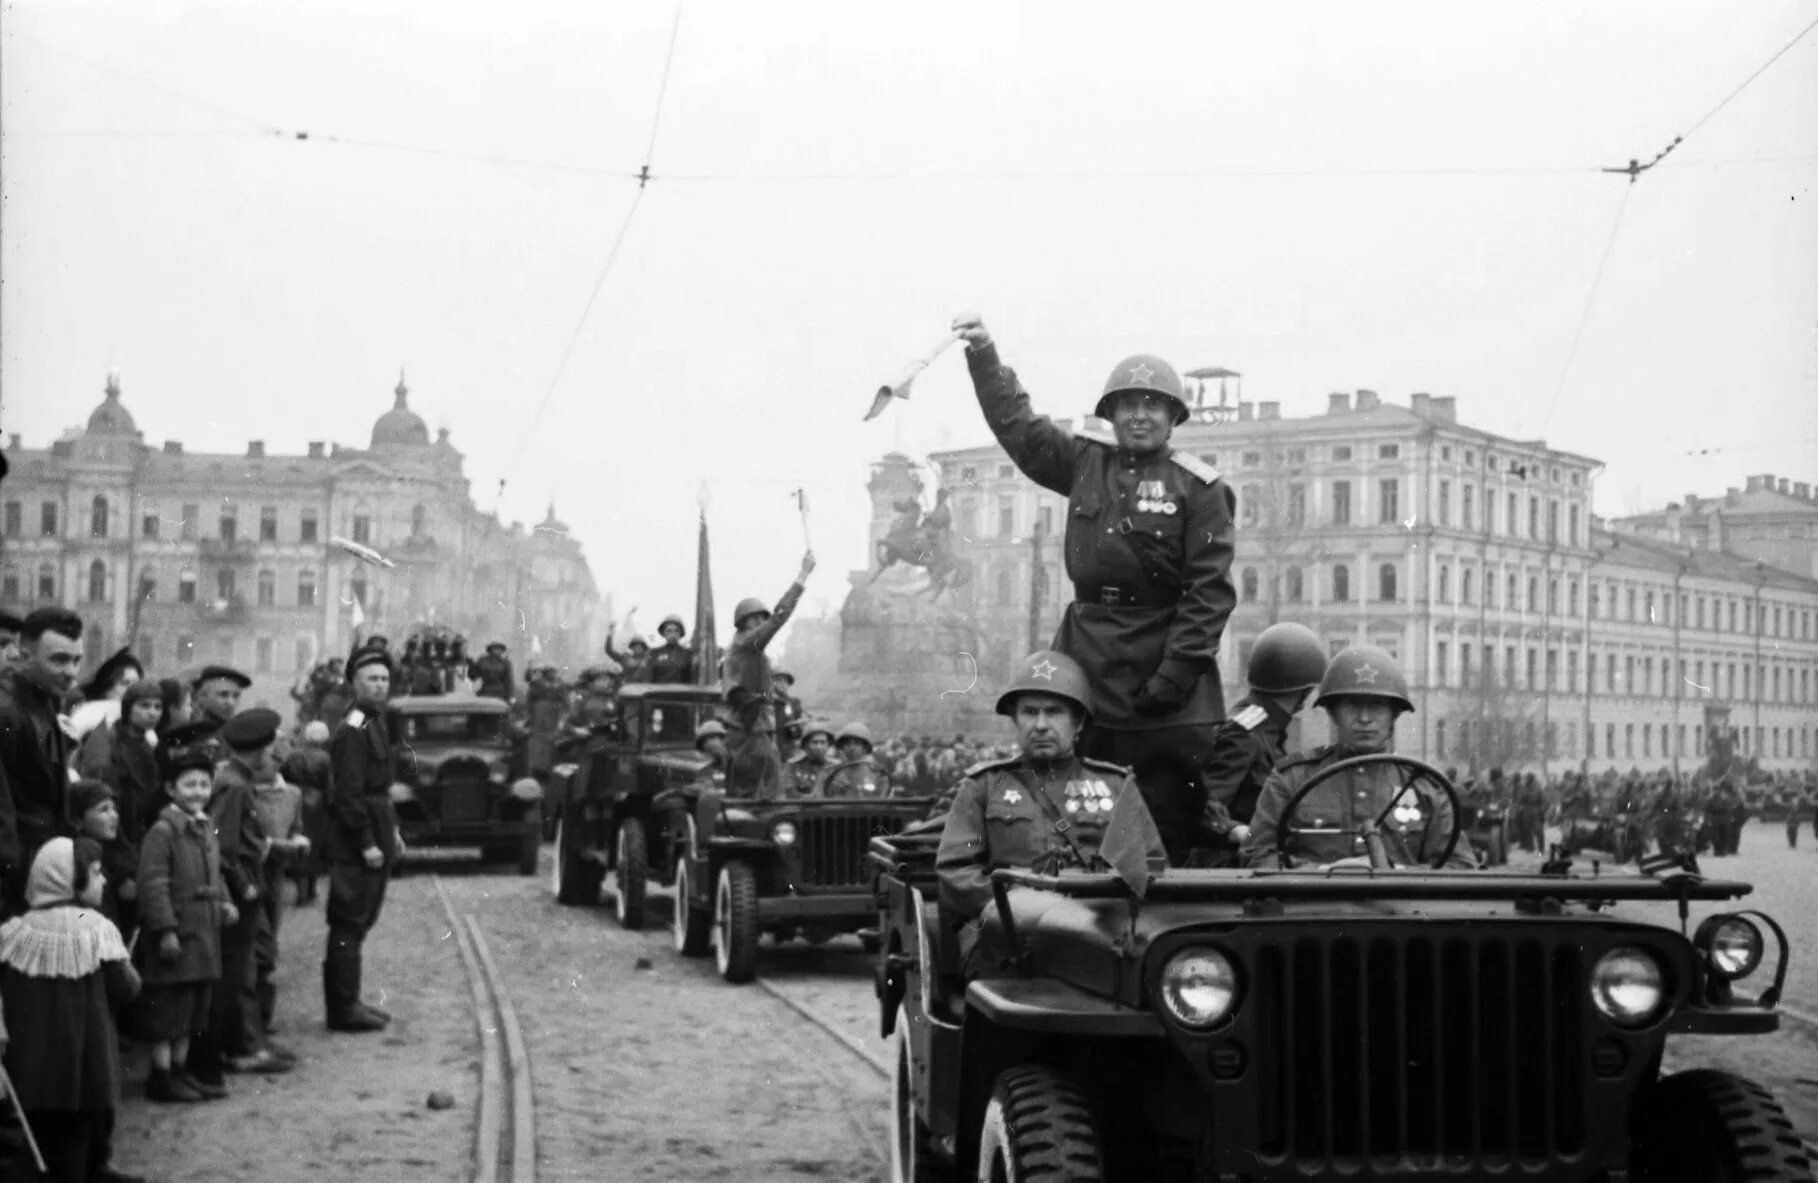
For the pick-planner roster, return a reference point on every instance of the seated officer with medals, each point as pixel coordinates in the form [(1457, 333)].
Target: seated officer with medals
[(1043, 810), (1363, 692)]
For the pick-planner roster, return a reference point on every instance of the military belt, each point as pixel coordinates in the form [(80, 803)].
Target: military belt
[(1112, 595)]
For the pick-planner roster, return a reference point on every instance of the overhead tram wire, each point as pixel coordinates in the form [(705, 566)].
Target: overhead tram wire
[(1584, 315)]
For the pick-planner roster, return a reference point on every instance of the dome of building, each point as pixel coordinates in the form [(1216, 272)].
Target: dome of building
[(400, 426), (111, 418)]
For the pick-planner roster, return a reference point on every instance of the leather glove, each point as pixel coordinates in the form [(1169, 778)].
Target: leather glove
[(1159, 697), (170, 948)]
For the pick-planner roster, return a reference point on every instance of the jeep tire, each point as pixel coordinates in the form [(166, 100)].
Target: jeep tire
[(633, 871), (1717, 1128), (1037, 1127), (693, 926), (911, 1142), (735, 922), (577, 880)]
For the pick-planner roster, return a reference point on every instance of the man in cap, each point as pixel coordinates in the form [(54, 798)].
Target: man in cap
[(493, 673), (34, 749), (857, 774), (1148, 546), (1286, 664), (757, 766), (10, 627), (214, 699), (671, 663), (1044, 809), (363, 842), (1363, 691), (810, 766)]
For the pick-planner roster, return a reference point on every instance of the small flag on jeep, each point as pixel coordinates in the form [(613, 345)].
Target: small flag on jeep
[(1129, 837)]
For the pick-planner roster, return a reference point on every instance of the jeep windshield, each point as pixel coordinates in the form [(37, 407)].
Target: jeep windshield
[(454, 727)]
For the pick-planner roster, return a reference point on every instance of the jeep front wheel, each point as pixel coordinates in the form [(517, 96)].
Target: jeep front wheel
[(575, 880), (1037, 1127), (633, 870), (735, 922), (693, 926), (1716, 1128), (911, 1154)]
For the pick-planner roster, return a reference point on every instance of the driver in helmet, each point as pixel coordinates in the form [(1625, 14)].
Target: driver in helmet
[(1363, 691), (710, 741), (1286, 665), (857, 774), (1044, 809), (808, 767)]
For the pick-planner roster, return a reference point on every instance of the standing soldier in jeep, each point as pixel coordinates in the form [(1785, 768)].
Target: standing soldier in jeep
[(1149, 543), (672, 662), (493, 673), (757, 766)]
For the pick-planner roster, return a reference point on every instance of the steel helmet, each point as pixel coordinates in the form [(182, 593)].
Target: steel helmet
[(1049, 672), (708, 729), (855, 730), (634, 640), (748, 606), (670, 619), (819, 727), (1287, 659), (1146, 374), (1364, 671)]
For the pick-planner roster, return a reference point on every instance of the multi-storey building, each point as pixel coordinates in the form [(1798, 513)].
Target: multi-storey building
[(1771, 518), (194, 558), (1471, 557)]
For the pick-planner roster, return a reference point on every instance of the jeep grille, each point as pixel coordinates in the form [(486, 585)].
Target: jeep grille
[(832, 848), (1407, 1050), (462, 787)]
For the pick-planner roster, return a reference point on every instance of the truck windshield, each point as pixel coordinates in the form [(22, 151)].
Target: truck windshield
[(453, 728)]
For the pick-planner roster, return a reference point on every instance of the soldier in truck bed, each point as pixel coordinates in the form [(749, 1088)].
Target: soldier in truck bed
[(1149, 541)]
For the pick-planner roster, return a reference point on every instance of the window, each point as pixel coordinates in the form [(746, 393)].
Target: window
[(1732, 615), (262, 655), (1248, 582), (9, 585), (1628, 740), (1647, 674), (1341, 452), (1649, 601), (230, 525), (1572, 599), (362, 528), (1294, 588), (268, 530), (1445, 452), (1044, 519), (1631, 600), (1489, 462), (1465, 579), (1341, 583), (1467, 497), (15, 516), (1445, 503), (1508, 524), (1628, 675), (968, 473), (1250, 459), (306, 588), (1003, 586), (1464, 665), (1533, 682), (1005, 471), (1552, 669), (1297, 505), (186, 587), (191, 515), (1006, 517), (186, 650), (1445, 584), (1552, 597), (47, 519), (224, 584), (1647, 739), (301, 658), (1442, 653), (1341, 503), (149, 525), (1385, 583), (268, 588), (97, 582), (1572, 520), (1439, 739), (148, 585), (1388, 451), (306, 529), (1553, 522), (47, 581), (97, 517), (1389, 506), (1533, 516), (1248, 500), (1513, 601)]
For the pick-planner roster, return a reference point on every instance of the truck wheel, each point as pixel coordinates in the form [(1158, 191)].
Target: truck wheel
[(693, 926), (1718, 1128), (530, 845), (911, 1142), (633, 869), (576, 880), (1037, 1127), (735, 922)]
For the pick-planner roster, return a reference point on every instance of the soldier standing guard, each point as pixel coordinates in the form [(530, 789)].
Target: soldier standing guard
[(757, 766), (1149, 543), (363, 840), (493, 673), (1286, 666)]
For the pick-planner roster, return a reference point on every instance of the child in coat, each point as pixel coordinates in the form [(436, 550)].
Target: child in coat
[(183, 903), (63, 972)]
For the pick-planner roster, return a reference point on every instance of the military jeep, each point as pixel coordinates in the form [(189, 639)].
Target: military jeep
[(793, 866), (603, 795), (1317, 1024), (459, 778)]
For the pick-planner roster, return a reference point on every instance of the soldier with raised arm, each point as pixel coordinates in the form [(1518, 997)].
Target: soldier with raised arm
[(757, 766)]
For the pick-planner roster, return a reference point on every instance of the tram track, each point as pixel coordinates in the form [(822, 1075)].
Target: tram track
[(864, 1125), (505, 1125)]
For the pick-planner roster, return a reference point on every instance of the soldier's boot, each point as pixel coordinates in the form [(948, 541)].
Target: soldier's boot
[(341, 996), (384, 1016)]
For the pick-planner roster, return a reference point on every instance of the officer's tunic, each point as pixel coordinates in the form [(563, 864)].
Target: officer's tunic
[(1344, 803), (670, 663), (1245, 749), (805, 774), (360, 817)]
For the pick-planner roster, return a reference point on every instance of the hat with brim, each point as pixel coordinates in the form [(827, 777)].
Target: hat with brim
[(366, 657), (496, 647), (211, 672), (251, 730)]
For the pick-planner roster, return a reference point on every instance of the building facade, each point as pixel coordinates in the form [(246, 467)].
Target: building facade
[(1532, 637), (194, 558)]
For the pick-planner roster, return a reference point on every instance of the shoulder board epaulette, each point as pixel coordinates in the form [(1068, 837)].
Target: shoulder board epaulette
[(1105, 766), (1195, 465), (355, 718), (990, 765), (797, 758), (1310, 757), (1093, 436), (1250, 718)]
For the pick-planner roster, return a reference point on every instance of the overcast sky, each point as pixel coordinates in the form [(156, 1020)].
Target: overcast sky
[(1401, 196)]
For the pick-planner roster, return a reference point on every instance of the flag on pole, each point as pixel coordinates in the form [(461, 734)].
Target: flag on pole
[(1129, 836), (706, 652), (357, 619)]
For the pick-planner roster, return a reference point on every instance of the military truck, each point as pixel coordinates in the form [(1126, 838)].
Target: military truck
[(1318, 1024), (460, 778), (603, 796)]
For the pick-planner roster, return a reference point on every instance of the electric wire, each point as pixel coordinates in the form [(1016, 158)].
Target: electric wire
[(1584, 316)]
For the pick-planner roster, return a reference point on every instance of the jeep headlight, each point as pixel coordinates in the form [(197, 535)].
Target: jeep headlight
[(526, 788), (497, 773), (1627, 985), (1732, 946), (1199, 986), (783, 833), (401, 792)]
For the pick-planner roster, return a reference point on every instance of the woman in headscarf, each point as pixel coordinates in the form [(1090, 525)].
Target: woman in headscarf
[(64, 971)]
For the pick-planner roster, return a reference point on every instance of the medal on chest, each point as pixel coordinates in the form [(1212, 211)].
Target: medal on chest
[(1152, 497), (1088, 797)]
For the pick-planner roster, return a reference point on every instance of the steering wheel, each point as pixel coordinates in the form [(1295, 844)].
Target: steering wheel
[(1418, 771)]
